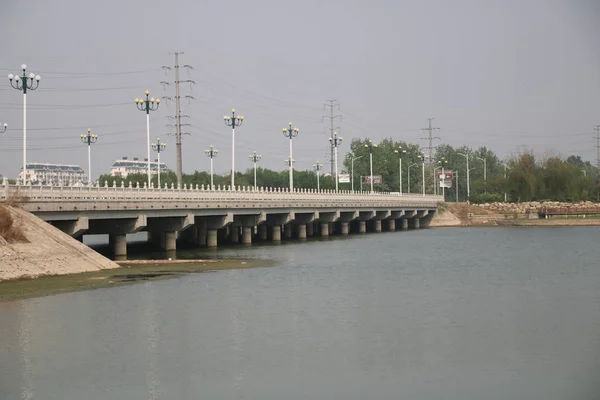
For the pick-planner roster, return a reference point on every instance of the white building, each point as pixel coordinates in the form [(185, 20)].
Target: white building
[(53, 174), (122, 168)]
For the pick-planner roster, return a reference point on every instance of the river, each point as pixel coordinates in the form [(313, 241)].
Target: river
[(454, 313)]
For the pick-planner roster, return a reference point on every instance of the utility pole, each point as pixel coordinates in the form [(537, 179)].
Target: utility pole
[(178, 114), (332, 106), (597, 137), (430, 138)]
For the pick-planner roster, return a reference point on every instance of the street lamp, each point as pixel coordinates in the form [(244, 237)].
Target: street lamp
[(400, 151), (254, 157), (371, 146), (211, 153), (443, 163), (4, 126), (318, 167), (233, 121), (352, 163), (466, 156), (147, 105), (158, 147), (335, 141), (24, 83), (290, 133), (89, 139), (484, 172), (422, 157)]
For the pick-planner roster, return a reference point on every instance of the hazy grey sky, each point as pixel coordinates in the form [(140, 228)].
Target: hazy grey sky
[(497, 73)]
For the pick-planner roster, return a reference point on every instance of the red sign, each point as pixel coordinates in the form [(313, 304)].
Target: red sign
[(448, 175), (376, 180)]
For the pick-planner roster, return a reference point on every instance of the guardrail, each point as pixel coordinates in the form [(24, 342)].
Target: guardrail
[(44, 194)]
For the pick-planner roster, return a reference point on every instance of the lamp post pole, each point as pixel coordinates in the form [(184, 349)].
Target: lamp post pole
[(146, 105), (466, 156), (89, 139), (352, 168), (254, 157), (290, 133), (335, 141), (409, 167), (422, 157), (211, 153), (484, 172), (400, 151), (158, 147), (24, 83), (318, 167), (233, 121), (371, 146)]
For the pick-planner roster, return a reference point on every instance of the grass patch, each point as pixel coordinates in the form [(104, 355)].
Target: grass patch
[(50, 285)]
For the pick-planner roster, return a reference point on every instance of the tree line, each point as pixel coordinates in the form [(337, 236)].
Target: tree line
[(522, 177)]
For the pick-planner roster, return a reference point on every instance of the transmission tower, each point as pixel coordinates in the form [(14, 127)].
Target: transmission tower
[(332, 106), (430, 138), (178, 116)]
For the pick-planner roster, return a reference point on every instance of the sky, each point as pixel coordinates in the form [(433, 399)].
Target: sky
[(510, 75)]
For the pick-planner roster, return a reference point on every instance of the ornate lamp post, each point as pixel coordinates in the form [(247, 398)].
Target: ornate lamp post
[(318, 167), (352, 158), (400, 151), (443, 163), (211, 153), (335, 141), (371, 146), (290, 133), (147, 105), (254, 157), (484, 172), (158, 147), (3, 128), (24, 83), (89, 139), (233, 121), (422, 158)]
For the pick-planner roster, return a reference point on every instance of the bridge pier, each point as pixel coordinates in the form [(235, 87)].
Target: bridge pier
[(211, 238), (247, 234), (287, 231), (404, 224), (302, 231), (324, 229), (276, 233), (310, 228), (344, 228), (362, 226), (416, 223), (377, 225), (201, 236), (118, 244), (234, 234), (262, 232), (391, 225)]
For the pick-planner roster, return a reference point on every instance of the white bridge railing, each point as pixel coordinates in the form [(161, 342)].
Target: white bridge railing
[(39, 193)]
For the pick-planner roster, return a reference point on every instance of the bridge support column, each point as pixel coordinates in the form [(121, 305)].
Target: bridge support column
[(247, 234), (170, 241), (362, 226), (288, 231), (324, 229), (276, 233), (377, 225), (301, 231), (118, 244), (391, 225), (310, 229), (262, 232), (211, 238), (404, 224), (417, 223), (344, 228), (200, 236), (234, 234)]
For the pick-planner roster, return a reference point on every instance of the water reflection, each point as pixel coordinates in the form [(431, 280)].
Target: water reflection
[(150, 324), (25, 328)]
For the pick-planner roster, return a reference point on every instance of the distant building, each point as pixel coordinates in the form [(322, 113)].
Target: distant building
[(53, 174), (122, 168)]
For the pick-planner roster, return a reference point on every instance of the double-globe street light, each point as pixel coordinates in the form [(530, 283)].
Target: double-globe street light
[(211, 153), (290, 133), (370, 146), (233, 121), (147, 105), (89, 139), (254, 158), (352, 158), (318, 167), (400, 151), (443, 163), (24, 83), (158, 147), (3, 127), (335, 141)]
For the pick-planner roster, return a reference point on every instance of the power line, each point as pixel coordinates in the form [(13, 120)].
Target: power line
[(331, 118), (178, 115), (430, 138)]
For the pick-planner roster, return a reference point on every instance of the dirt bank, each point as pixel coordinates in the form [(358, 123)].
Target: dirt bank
[(45, 251)]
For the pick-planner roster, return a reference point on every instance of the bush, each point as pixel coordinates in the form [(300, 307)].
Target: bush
[(11, 229), (480, 198)]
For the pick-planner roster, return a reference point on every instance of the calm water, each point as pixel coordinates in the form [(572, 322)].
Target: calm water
[(500, 313)]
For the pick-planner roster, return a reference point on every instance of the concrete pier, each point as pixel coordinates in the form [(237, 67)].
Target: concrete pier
[(287, 231), (118, 244), (170, 241), (276, 233), (234, 235), (201, 237), (344, 228), (324, 229), (211, 238), (417, 223), (362, 226), (262, 232), (391, 225), (404, 224), (247, 234), (377, 225), (310, 229), (301, 231)]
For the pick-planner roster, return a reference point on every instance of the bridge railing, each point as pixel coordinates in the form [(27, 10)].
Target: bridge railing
[(40, 193)]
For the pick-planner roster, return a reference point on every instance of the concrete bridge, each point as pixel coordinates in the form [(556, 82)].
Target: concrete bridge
[(207, 217)]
